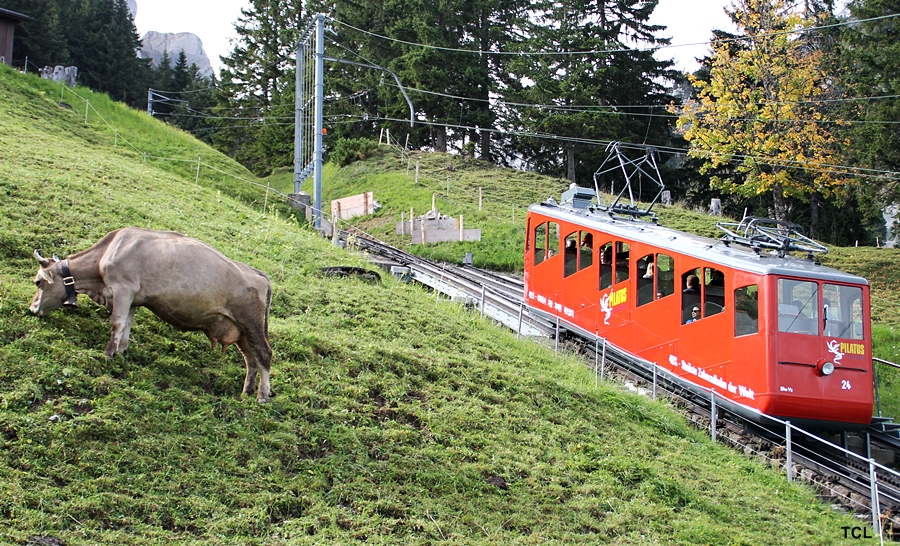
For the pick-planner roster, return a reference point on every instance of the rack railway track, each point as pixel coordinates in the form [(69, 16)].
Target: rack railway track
[(842, 477)]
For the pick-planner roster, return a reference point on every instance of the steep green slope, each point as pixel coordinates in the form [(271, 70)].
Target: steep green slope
[(391, 174), (398, 418)]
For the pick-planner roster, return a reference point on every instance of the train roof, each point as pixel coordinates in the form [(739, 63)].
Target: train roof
[(705, 248)]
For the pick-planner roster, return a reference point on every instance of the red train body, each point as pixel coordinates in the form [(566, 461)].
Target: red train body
[(781, 335)]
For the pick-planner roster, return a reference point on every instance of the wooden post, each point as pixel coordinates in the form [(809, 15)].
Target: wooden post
[(417, 171), (715, 207), (335, 218), (479, 198), (412, 221), (402, 223), (422, 224), (461, 230), (433, 202), (365, 202)]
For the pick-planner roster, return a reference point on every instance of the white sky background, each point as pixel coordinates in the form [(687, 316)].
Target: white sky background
[(688, 22)]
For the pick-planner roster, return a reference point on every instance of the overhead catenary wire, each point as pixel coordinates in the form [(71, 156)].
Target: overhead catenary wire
[(619, 50)]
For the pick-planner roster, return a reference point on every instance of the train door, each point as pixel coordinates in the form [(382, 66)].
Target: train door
[(705, 344), (748, 379), (614, 303), (818, 323), (543, 284), (655, 301), (580, 280)]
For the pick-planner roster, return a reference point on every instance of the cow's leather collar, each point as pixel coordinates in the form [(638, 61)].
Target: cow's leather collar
[(69, 282)]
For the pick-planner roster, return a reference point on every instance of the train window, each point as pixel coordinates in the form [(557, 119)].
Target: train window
[(571, 252), (690, 295), (540, 243), (656, 278), (621, 261), (586, 251), (746, 310), (578, 252), (798, 304), (665, 275), (645, 266), (842, 313), (552, 239), (606, 265), (546, 242), (714, 295)]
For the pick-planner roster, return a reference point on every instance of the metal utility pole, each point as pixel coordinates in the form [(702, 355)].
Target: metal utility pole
[(308, 149)]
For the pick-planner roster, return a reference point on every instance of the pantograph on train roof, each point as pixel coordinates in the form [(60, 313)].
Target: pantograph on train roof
[(618, 164), (761, 234)]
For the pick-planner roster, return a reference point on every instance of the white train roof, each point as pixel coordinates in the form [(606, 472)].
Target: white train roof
[(704, 248)]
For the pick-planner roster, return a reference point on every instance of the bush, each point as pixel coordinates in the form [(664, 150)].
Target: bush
[(348, 150)]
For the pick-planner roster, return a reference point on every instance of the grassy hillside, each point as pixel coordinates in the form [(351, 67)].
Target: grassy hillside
[(506, 195), (398, 418)]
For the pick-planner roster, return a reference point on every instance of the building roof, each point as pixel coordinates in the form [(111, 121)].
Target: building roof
[(10, 14)]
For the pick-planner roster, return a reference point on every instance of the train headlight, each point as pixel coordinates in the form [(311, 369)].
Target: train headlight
[(825, 367)]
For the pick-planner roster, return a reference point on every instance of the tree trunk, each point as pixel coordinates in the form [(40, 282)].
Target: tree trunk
[(440, 139), (780, 204), (814, 205), (486, 145), (570, 162)]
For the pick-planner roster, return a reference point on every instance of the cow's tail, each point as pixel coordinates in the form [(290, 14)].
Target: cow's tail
[(268, 307)]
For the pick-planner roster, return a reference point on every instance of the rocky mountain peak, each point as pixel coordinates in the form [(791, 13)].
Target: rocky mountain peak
[(155, 43)]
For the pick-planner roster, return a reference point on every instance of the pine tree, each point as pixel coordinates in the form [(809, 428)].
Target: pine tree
[(254, 81), (585, 84), (869, 66), (103, 44), (181, 75)]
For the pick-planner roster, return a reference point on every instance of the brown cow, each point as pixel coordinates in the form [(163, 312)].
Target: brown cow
[(185, 282)]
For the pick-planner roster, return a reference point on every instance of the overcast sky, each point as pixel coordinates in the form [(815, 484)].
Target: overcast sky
[(688, 22)]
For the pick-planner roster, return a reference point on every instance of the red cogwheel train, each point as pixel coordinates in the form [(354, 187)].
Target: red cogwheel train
[(779, 334)]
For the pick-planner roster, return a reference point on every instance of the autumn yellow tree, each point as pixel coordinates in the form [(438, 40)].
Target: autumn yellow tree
[(757, 111)]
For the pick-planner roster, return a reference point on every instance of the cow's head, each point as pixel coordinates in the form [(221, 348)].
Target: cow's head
[(54, 289)]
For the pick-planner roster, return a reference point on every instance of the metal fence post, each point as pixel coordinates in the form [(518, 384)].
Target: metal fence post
[(482, 300), (788, 463), (556, 345), (596, 362), (876, 510), (712, 414), (654, 380), (519, 327), (603, 360)]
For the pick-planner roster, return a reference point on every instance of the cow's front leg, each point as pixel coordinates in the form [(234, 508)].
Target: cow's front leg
[(126, 331), (121, 316)]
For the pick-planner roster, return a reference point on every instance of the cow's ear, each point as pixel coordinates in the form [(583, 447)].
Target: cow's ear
[(41, 260)]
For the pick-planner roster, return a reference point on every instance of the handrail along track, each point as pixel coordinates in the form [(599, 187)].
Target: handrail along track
[(843, 476)]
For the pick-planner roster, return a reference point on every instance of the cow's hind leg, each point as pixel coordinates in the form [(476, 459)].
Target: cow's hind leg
[(257, 357)]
